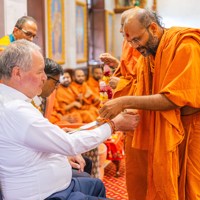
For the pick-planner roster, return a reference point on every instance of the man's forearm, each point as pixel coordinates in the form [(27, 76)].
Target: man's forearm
[(150, 102)]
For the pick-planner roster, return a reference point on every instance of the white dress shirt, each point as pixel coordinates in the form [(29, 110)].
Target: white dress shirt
[(33, 162)]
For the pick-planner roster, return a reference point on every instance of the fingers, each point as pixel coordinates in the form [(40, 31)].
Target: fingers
[(67, 129), (76, 166), (104, 113), (131, 111), (126, 122), (110, 109), (106, 58)]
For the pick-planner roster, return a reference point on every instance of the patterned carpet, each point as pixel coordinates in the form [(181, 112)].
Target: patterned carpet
[(115, 186)]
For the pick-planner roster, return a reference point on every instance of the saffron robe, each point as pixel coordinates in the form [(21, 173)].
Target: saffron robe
[(175, 73), (136, 170), (88, 110), (64, 96), (94, 86), (126, 71)]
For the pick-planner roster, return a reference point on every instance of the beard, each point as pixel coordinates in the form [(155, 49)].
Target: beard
[(151, 46), (80, 82), (97, 78), (66, 84)]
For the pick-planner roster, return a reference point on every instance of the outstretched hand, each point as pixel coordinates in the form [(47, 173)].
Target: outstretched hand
[(113, 82), (111, 108), (126, 121), (109, 60)]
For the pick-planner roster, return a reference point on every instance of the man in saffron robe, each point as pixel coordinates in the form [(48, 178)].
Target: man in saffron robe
[(84, 95), (25, 28), (93, 81), (65, 104), (167, 90)]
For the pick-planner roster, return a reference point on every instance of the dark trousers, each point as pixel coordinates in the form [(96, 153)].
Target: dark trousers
[(88, 166), (81, 189)]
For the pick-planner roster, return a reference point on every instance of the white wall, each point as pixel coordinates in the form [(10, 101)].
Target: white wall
[(118, 36), (173, 13), (13, 9), (179, 12)]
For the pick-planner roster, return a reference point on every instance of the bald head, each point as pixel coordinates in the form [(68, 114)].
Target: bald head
[(79, 76), (124, 16), (143, 17), (143, 30)]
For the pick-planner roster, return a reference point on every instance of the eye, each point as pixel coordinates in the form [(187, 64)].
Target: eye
[(135, 40)]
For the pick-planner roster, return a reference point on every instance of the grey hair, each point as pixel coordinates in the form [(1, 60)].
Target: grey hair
[(18, 53), (147, 16), (22, 20)]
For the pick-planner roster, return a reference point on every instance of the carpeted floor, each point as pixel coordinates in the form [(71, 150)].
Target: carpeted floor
[(115, 186)]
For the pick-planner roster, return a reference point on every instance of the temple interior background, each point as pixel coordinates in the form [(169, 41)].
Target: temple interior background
[(75, 32), (86, 28)]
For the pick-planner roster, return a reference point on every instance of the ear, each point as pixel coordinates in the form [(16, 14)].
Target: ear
[(15, 29), (153, 28), (16, 32), (16, 73)]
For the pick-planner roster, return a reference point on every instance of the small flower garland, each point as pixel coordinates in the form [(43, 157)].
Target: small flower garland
[(105, 89)]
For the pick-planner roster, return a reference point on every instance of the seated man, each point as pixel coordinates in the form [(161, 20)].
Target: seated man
[(82, 166), (25, 28), (94, 79), (32, 150), (85, 97), (66, 107)]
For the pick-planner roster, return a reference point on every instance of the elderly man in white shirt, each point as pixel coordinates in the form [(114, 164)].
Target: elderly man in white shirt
[(33, 164)]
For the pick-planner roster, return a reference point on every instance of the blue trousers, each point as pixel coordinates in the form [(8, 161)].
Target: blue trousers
[(81, 188)]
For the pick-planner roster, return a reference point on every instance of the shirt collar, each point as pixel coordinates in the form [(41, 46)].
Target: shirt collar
[(12, 38), (37, 100), (12, 93)]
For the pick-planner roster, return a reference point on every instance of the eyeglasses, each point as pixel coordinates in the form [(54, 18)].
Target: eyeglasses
[(27, 33), (137, 40), (57, 82)]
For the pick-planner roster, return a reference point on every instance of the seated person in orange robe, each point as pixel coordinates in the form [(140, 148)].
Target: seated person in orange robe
[(93, 81), (84, 95), (65, 105)]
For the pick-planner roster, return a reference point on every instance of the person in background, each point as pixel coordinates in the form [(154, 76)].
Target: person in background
[(85, 97), (35, 165), (25, 28), (53, 72), (66, 107), (168, 91), (123, 83), (93, 81)]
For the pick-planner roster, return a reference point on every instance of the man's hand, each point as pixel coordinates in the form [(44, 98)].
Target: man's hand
[(88, 93), (126, 121), (68, 129), (77, 104), (109, 60), (111, 108), (113, 82), (77, 162)]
